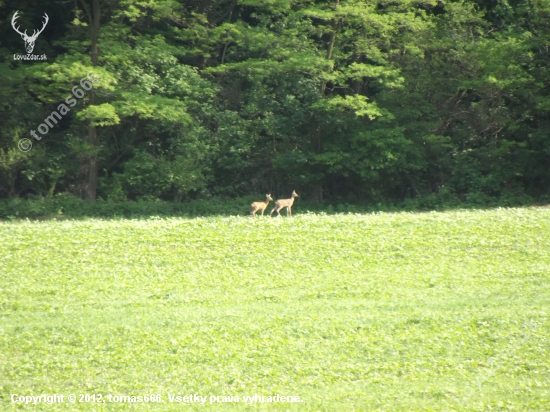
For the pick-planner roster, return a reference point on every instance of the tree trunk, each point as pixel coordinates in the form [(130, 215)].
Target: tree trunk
[(317, 194), (90, 166)]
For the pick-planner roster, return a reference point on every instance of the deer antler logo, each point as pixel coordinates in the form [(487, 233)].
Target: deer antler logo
[(29, 40)]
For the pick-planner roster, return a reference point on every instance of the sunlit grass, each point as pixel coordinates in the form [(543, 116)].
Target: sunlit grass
[(434, 311)]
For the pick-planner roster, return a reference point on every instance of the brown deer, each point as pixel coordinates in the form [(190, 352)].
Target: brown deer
[(260, 205), (279, 204)]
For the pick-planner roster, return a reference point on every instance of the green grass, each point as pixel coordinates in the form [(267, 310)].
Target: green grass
[(381, 312)]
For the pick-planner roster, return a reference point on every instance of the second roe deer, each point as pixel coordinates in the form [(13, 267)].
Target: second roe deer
[(279, 204), (260, 205)]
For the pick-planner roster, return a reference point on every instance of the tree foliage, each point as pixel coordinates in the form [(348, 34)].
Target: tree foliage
[(346, 100)]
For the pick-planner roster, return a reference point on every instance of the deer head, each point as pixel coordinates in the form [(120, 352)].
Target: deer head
[(29, 40)]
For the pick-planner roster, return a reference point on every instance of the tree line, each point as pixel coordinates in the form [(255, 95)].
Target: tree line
[(350, 101)]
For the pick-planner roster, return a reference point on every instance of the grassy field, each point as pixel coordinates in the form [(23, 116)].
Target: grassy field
[(382, 312)]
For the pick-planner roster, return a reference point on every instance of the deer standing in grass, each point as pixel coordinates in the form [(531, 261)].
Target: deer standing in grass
[(260, 205), (279, 204)]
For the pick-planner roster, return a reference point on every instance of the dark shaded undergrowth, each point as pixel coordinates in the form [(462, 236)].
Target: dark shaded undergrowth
[(66, 206)]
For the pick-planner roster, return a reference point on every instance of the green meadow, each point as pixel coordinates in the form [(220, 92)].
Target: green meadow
[(444, 311)]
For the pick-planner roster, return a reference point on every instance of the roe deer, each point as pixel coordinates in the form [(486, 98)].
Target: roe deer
[(260, 205), (279, 204)]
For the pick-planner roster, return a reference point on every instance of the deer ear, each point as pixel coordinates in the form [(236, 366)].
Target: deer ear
[(23, 36)]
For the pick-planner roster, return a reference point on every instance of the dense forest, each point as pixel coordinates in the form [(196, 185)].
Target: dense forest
[(355, 101)]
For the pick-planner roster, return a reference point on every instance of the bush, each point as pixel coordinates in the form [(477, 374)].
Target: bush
[(65, 205)]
